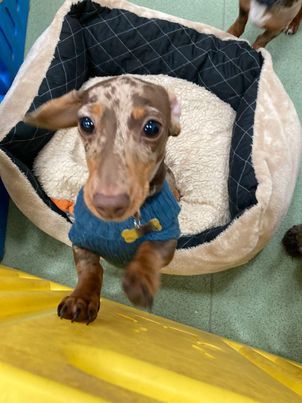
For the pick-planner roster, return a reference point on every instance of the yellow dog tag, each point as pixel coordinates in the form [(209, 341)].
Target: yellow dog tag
[(131, 235), (156, 224)]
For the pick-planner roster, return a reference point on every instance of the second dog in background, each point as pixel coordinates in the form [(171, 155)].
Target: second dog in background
[(274, 16)]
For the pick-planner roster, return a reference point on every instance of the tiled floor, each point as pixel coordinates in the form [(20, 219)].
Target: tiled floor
[(260, 303)]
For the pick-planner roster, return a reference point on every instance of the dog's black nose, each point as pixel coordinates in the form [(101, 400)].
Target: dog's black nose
[(111, 206)]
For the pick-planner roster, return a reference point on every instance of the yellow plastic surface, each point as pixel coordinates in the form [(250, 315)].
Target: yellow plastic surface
[(126, 355)]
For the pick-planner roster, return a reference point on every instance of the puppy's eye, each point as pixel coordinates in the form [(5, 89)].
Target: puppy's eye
[(86, 125), (151, 128)]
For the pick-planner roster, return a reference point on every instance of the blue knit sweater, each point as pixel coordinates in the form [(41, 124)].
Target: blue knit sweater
[(105, 237)]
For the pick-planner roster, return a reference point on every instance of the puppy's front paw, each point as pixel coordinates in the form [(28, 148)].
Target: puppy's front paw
[(79, 308), (292, 241), (140, 286)]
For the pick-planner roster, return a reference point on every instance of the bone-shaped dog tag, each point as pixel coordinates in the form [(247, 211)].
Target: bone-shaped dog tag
[(156, 225), (131, 235)]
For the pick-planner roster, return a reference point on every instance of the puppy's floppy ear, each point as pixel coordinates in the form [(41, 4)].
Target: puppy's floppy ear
[(58, 113), (174, 129)]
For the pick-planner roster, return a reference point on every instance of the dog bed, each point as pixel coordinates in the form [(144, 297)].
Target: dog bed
[(206, 134), (111, 37)]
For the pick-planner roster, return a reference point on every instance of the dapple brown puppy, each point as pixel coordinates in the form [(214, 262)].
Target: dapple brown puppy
[(124, 123), (274, 16)]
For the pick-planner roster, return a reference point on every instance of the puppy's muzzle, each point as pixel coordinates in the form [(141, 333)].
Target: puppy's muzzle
[(111, 207)]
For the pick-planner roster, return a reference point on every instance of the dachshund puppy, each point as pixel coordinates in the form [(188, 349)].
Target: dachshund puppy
[(126, 212)]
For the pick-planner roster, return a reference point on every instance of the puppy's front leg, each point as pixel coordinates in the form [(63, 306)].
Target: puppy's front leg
[(84, 302), (294, 25), (238, 27), (265, 38), (142, 275)]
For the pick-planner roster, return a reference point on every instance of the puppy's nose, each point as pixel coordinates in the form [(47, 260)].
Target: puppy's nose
[(111, 206)]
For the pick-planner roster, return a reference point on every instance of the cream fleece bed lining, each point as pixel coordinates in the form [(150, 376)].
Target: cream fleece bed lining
[(275, 151), (198, 157)]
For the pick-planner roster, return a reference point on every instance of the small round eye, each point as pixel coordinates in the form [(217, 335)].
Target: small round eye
[(152, 128), (87, 125)]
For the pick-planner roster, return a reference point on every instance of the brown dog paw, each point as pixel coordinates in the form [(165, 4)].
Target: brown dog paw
[(233, 30), (140, 286), (292, 241), (236, 29), (292, 28), (79, 308)]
